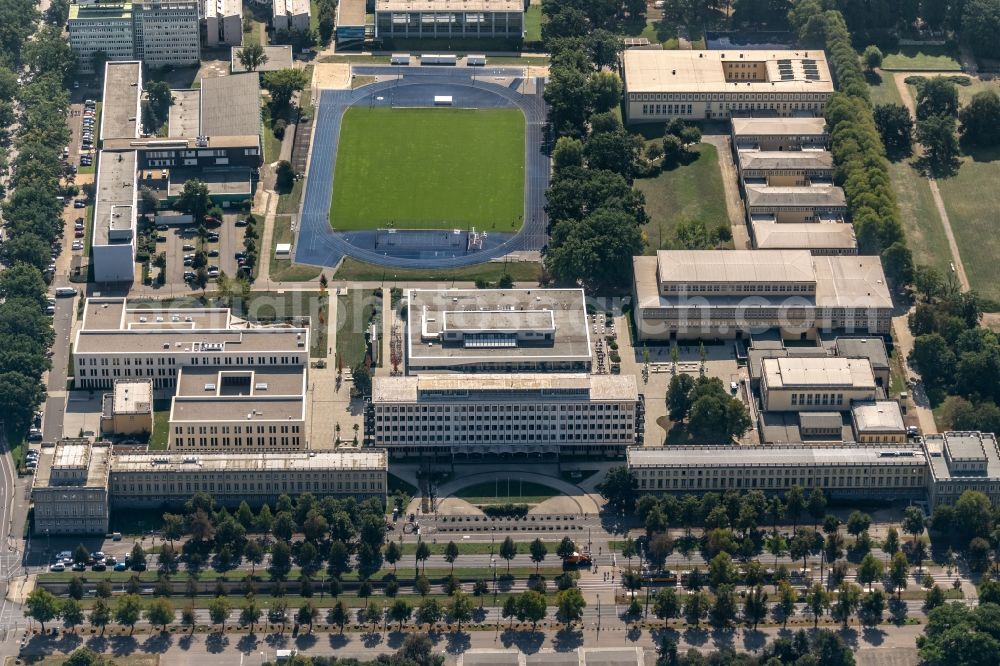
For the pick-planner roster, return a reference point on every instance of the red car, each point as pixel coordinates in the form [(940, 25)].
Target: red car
[(79, 233)]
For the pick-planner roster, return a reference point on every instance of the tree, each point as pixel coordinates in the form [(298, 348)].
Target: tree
[(392, 554), (568, 152), (128, 610), (531, 607), (252, 55), (194, 199), (337, 614), (795, 504), (755, 606), (157, 104), (218, 611), (451, 554), (100, 614), (980, 26), (250, 613), (899, 570), (872, 608), (972, 514), (372, 613), (895, 126), (787, 597), (509, 609), (679, 396), (937, 97), (597, 250), (914, 521), (508, 550), (619, 488), (616, 151), (282, 84), (566, 548), (362, 377), (857, 523), (817, 600), (666, 604), (980, 119), (538, 552), (937, 134), (306, 614), (160, 612), (571, 604), (71, 613), (870, 570), (41, 606), (846, 603), (461, 608), (816, 505), (429, 612), (696, 605), (934, 598), (721, 571), (872, 57), (284, 175), (400, 612)]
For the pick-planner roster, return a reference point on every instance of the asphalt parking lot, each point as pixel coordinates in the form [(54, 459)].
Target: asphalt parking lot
[(230, 241)]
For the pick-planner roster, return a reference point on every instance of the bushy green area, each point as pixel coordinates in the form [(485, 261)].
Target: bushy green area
[(429, 169)]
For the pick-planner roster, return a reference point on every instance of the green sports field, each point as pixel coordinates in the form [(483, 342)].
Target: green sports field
[(429, 169)]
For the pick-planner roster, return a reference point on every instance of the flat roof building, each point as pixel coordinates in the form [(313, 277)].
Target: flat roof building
[(779, 134), (723, 294), (497, 330), (822, 384), (784, 168), (290, 15), (819, 238), (813, 203), (115, 208), (128, 409), (961, 461), (449, 18), (223, 22), (278, 57), (843, 471), (351, 22), (156, 479), (878, 421), (698, 85), (472, 416), (105, 26), (871, 348), (70, 488)]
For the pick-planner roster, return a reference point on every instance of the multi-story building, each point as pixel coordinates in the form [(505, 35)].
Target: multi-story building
[(785, 168), (795, 205), (820, 384), (157, 479), (878, 422), (223, 22), (698, 85), (472, 416), (352, 22), (499, 330), (961, 461), (832, 237), (449, 18), (842, 471), (290, 15), (167, 32), (779, 134), (249, 408), (128, 410), (116, 340), (70, 488), (690, 294), (158, 32)]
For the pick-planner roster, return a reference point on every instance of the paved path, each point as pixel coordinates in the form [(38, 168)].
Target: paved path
[(730, 183), (956, 258), (903, 339)]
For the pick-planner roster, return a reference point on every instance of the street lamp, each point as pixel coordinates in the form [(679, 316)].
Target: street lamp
[(598, 613)]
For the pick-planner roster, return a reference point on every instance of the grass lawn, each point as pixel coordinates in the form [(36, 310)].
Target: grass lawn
[(520, 271), (288, 203), (972, 207), (533, 24), (354, 312), (120, 660), (502, 491), (161, 425), (288, 305), (693, 191), (477, 548), (283, 270), (272, 144), (430, 169), (917, 58)]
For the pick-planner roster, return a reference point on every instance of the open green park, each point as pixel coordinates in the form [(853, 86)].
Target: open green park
[(437, 168)]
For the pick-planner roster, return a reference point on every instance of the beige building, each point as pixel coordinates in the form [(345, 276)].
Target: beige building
[(497, 330), (961, 461), (698, 85), (795, 205), (156, 479), (290, 15), (691, 294), (856, 472), (128, 410), (878, 421), (167, 32), (70, 488), (223, 22), (779, 134), (253, 408), (471, 416), (791, 168), (820, 384), (818, 238)]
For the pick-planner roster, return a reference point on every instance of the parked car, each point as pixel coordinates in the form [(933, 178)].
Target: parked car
[(58, 566), (162, 227), (79, 203), (79, 566), (213, 253), (78, 233), (121, 566), (188, 247), (99, 566)]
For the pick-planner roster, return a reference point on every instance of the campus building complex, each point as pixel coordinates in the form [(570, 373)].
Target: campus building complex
[(77, 481), (960, 461), (698, 85), (502, 330), (160, 33), (70, 488), (448, 18), (472, 416), (690, 294)]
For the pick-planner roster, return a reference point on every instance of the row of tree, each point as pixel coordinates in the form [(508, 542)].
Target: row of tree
[(859, 157)]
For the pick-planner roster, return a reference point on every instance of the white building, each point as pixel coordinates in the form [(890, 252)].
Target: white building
[(698, 85), (70, 488), (108, 27), (223, 22), (290, 15), (817, 383), (691, 294), (961, 461), (472, 416)]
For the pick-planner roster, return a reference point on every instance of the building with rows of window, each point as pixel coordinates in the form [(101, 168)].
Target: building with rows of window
[(699, 85), (70, 488), (851, 471), (474, 416), (691, 294), (449, 18), (815, 383), (960, 461)]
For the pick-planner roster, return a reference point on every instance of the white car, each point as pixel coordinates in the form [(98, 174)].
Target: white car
[(58, 566)]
